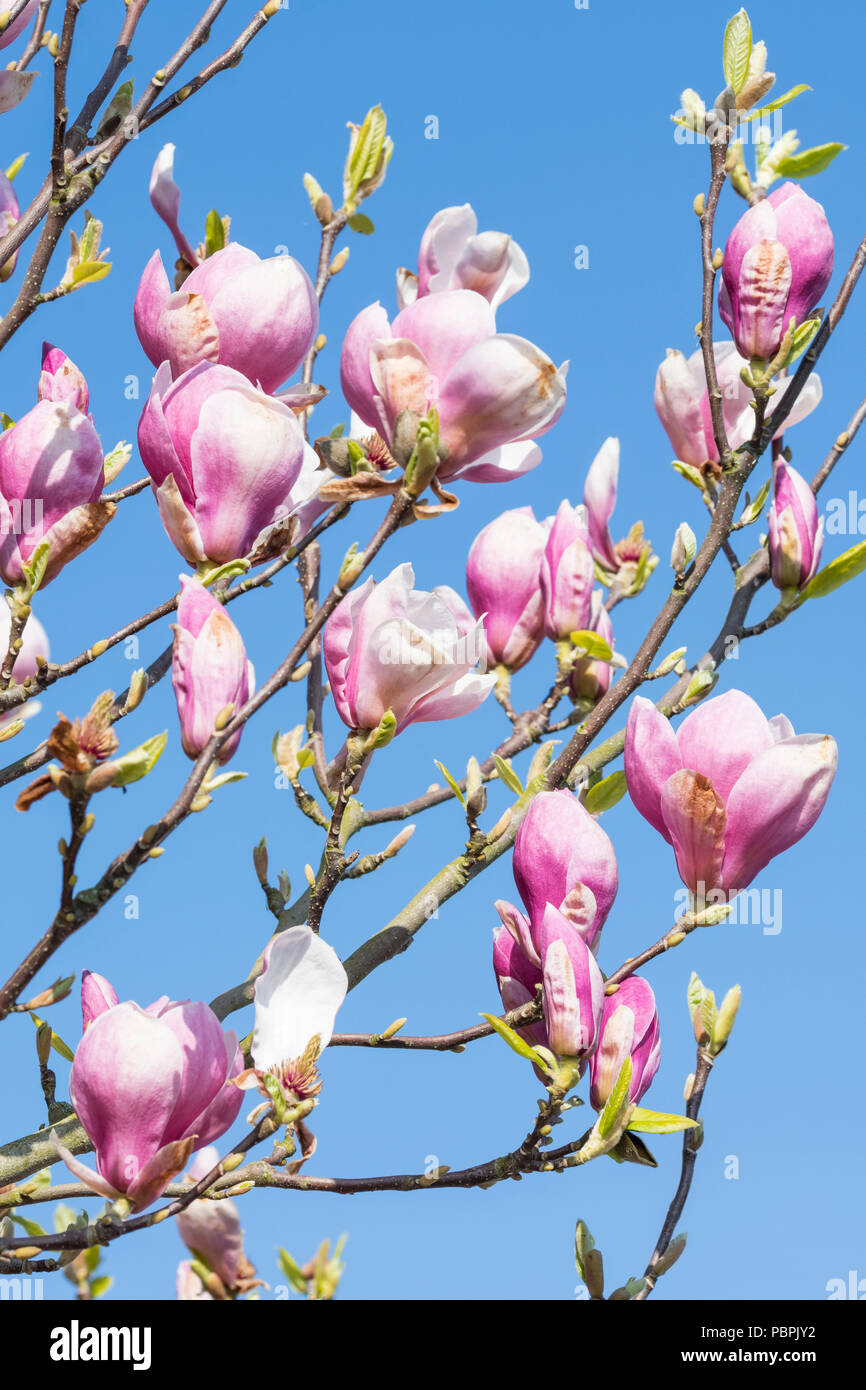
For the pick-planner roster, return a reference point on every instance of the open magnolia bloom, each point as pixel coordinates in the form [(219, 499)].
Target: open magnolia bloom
[(455, 256), (683, 404), (256, 316), (297, 996), (149, 1086), (392, 649), (223, 458), (729, 790), (494, 392), (51, 478)]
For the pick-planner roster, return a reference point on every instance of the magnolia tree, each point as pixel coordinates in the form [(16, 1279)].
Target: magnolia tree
[(445, 407)]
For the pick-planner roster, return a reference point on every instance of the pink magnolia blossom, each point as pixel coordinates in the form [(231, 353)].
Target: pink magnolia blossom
[(777, 264), (683, 404), (389, 646), (796, 533), (149, 1086), (209, 668), (562, 857), (629, 1028), (51, 471), (257, 317), (223, 457), (729, 790), (571, 982), (297, 998), (567, 573), (11, 32), (502, 580), (212, 1230), (61, 380), (97, 995), (454, 256), (494, 392)]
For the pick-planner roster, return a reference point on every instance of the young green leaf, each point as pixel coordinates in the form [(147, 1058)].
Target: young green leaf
[(656, 1122), (455, 786), (736, 50), (606, 793), (515, 1041), (839, 571), (808, 162), (593, 645), (616, 1100), (508, 775)]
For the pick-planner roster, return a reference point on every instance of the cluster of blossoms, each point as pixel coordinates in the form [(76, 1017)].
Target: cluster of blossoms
[(234, 478), (566, 874), (152, 1086)]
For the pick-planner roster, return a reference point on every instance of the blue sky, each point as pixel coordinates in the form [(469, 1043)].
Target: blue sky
[(554, 124)]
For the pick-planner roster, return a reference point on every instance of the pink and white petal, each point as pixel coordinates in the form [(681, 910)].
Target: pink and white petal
[(297, 996), (153, 291)]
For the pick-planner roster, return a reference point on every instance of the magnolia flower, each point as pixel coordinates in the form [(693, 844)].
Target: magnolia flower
[(453, 256), (572, 986), (297, 997), (566, 574), (796, 533), (391, 648), (729, 790), (211, 1230), (502, 580), (683, 404), (561, 857), (777, 264), (494, 392), (149, 1086), (51, 477), (629, 1028), (209, 669), (61, 380), (223, 458), (257, 317)]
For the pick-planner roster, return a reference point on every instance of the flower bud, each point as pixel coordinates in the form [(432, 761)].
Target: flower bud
[(796, 535), (502, 581), (778, 262)]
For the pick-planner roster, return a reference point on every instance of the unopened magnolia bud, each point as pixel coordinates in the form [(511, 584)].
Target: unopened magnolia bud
[(392, 1029), (137, 690), (309, 875), (684, 548), (260, 861), (671, 1255), (699, 204), (339, 261), (224, 717), (43, 1043), (351, 567), (399, 841), (726, 1016)]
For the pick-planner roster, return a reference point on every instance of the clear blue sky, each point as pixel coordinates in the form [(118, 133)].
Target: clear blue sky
[(554, 124)]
